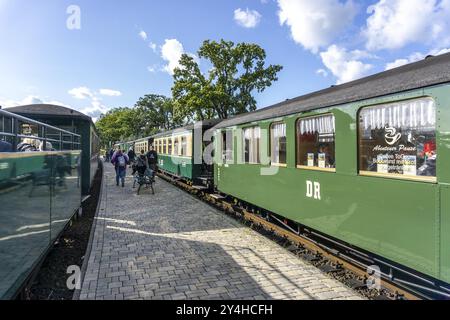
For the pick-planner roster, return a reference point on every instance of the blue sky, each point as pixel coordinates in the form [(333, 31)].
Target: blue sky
[(125, 49)]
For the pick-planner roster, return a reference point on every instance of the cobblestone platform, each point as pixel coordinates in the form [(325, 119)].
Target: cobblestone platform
[(172, 246)]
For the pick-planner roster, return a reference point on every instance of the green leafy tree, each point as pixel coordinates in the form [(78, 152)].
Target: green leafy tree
[(117, 125), (227, 89), (156, 112)]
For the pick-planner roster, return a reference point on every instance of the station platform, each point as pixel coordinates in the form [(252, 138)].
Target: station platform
[(172, 246)]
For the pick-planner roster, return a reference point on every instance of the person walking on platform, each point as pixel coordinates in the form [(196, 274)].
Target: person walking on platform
[(131, 155), (120, 161), (111, 153), (152, 157)]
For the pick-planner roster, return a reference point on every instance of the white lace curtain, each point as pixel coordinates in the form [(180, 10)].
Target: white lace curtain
[(252, 137), (322, 125), (407, 115)]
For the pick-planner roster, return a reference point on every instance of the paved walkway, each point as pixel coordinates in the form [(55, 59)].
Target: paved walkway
[(172, 246)]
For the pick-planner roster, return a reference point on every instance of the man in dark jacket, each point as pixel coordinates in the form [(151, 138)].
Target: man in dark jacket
[(152, 157), (5, 146), (131, 155)]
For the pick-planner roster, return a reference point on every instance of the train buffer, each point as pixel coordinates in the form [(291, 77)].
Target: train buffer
[(173, 246)]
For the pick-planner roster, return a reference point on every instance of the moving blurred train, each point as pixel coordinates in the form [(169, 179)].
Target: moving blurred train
[(44, 171), (354, 167)]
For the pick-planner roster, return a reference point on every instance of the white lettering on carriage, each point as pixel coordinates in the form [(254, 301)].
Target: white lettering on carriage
[(313, 190)]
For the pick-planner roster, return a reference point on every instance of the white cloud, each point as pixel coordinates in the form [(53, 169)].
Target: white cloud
[(394, 24), (171, 51), (143, 35), (153, 46), (344, 65), (151, 69), (81, 93), (322, 72), (110, 93), (315, 24), (417, 56), (247, 18)]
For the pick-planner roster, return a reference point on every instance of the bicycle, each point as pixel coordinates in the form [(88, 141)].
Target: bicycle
[(146, 179)]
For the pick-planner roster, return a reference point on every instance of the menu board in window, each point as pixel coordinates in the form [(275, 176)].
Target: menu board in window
[(399, 139)]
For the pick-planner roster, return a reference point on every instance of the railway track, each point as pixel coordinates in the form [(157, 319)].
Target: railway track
[(331, 261)]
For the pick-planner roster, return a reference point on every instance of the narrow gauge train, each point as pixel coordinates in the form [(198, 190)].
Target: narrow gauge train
[(353, 167), (73, 121), (40, 191), (178, 154)]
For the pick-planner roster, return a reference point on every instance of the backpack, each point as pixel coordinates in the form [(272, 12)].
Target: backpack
[(121, 161), (141, 161)]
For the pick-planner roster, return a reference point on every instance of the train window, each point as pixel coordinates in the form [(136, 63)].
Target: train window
[(399, 140), (169, 146), (278, 143), (227, 146), (176, 149), (316, 143), (164, 148), (251, 137), (184, 146)]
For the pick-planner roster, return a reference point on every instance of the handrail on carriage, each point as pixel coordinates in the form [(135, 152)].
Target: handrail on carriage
[(42, 131)]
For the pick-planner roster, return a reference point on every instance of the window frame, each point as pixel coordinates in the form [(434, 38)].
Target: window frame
[(169, 146), (274, 164), (395, 176), (258, 156), (297, 144), (184, 149)]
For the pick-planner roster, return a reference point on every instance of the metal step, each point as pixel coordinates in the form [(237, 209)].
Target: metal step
[(217, 196), (200, 187)]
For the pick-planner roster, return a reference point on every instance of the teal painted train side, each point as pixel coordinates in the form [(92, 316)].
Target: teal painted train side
[(180, 153), (401, 218)]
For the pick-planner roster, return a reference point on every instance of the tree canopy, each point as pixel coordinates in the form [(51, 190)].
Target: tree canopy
[(152, 113), (227, 89), (237, 72)]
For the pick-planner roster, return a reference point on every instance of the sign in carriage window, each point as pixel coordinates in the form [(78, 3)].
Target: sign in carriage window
[(278, 143), (251, 138), (316, 142), (399, 139)]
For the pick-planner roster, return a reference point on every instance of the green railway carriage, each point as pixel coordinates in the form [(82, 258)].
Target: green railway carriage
[(180, 152), (357, 164)]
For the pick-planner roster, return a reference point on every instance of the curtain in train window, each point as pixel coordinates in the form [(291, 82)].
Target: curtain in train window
[(251, 137), (227, 146), (183, 146), (278, 143), (316, 142), (399, 138)]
